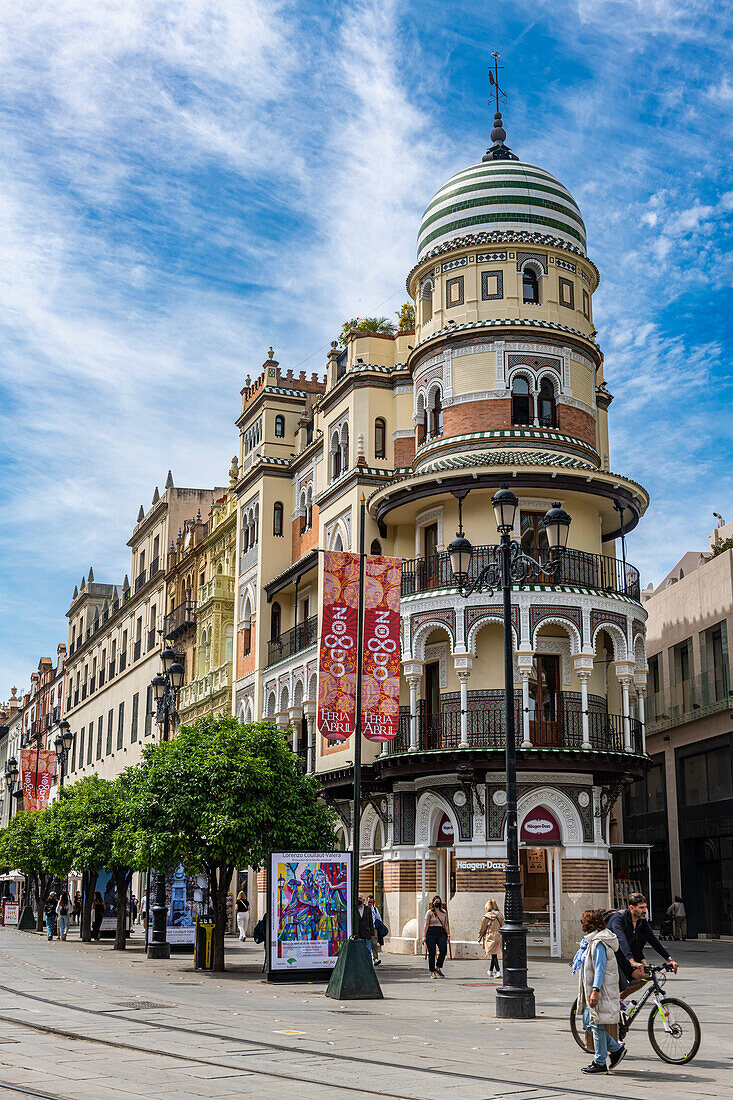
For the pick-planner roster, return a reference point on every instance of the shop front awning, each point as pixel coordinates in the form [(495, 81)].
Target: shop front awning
[(13, 876)]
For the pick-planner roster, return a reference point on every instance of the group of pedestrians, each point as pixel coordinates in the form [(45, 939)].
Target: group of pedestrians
[(60, 912)]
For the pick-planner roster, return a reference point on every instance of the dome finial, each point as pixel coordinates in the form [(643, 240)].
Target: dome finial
[(498, 150)]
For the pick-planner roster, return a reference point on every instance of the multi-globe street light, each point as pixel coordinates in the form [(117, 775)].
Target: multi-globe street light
[(166, 685), (514, 998), (62, 745)]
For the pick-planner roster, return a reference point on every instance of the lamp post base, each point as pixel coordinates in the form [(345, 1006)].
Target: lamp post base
[(515, 1004), (514, 998), (159, 950)]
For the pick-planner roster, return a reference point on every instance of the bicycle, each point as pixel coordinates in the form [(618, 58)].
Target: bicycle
[(674, 1029)]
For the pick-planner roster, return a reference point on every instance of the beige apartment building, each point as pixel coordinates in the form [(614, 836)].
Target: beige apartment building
[(502, 381), (683, 807)]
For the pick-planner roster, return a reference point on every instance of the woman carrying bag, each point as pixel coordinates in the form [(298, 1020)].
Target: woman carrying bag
[(436, 935), (489, 934)]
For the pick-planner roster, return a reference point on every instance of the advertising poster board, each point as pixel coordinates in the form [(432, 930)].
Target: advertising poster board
[(185, 898), (308, 913), (108, 890), (11, 911)]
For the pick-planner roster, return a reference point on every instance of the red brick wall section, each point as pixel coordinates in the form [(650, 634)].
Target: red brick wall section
[(483, 881), (477, 416), (301, 544), (585, 875), (246, 661), (366, 880), (261, 882), (404, 451), (406, 875), (577, 423)]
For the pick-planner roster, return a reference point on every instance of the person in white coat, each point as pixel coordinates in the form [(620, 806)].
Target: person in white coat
[(598, 995)]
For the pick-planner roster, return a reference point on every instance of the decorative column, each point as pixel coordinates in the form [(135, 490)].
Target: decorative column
[(525, 665), (295, 715), (413, 675), (640, 685), (583, 665), (309, 709), (624, 674), (463, 663)]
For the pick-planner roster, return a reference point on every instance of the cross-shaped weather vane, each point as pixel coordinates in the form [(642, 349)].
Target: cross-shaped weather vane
[(494, 80)]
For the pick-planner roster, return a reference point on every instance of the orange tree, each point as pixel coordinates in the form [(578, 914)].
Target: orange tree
[(222, 795)]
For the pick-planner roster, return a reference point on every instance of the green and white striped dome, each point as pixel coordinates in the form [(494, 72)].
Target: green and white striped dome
[(501, 195)]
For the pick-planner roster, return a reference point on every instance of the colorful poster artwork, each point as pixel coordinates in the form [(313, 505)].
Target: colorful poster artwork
[(381, 662), (309, 909), (37, 767), (337, 658)]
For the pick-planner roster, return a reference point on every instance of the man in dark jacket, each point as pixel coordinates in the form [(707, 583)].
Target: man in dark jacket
[(633, 931), (364, 923)]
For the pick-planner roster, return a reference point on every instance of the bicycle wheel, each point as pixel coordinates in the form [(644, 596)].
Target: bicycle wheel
[(683, 1042), (576, 1026)]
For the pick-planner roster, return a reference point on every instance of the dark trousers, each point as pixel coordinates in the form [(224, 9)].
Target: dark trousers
[(495, 964), (96, 926), (436, 939)]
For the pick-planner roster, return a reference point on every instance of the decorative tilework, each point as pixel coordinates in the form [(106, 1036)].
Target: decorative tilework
[(462, 262), (492, 285), (454, 292), (497, 814), (584, 277), (446, 616), (408, 816), (536, 361), (566, 293), (472, 615), (487, 257), (597, 618), (463, 813), (565, 264), (538, 613), (540, 257)]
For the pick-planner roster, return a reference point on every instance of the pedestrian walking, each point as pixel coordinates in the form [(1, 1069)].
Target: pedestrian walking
[(133, 908), (49, 911), (143, 910), (97, 914), (679, 918), (62, 913), (243, 910), (377, 939), (489, 934), (364, 922), (598, 995), (76, 910), (435, 936)]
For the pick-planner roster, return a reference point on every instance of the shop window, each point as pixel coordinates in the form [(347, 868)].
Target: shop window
[(492, 285), (279, 427), (567, 293), (380, 438), (521, 401), (454, 292), (277, 519), (530, 287)]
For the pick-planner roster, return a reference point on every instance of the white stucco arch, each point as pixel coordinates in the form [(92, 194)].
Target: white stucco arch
[(423, 632), (487, 620), (338, 530), (618, 639), (554, 380), (284, 699), (567, 625), (430, 808), (271, 704), (640, 652), (298, 692), (369, 822), (522, 371), (313, 688), (562, 808)]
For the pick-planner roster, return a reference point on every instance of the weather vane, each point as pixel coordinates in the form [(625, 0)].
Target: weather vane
[(494, 80)]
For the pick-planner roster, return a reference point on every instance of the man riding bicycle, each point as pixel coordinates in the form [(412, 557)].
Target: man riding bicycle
[(633, 931)]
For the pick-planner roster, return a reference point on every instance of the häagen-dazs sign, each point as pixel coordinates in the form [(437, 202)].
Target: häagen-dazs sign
[(540, 827), (480, 865)]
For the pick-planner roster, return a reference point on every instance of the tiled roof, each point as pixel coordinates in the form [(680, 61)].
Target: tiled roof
[(506, 458), (520, 322)]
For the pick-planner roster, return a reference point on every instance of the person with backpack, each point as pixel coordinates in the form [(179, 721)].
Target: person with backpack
[(598, 995), (49, 912), (62, 912)]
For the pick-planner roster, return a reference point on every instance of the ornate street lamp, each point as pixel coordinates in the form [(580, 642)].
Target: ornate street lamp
[(166, 684), (62, 745), (514, 998), (11, 775)]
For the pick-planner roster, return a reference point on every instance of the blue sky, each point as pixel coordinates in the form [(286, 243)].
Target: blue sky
[(185, 183)]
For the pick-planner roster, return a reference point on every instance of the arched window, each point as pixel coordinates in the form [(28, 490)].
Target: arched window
[(335, 456), (426, 302), (380, 438), (277, 519), (279, 427), (521, 401), (436, 413), (546, 402), (275, 622), (338, 542), (228, 643), (309, 508), (303, 514), (345, 447), (376, 549), (530, 285)]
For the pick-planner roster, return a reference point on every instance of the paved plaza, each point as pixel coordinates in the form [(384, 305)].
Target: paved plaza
[(80, 1020)]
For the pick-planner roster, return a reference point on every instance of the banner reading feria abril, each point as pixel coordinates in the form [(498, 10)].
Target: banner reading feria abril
[(337, 658), (36, 766), (381, 664)]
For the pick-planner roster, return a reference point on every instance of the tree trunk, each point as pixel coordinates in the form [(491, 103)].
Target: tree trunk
[(43, 887), (122, 878), (219, 880), (36, 889), (88, 882)]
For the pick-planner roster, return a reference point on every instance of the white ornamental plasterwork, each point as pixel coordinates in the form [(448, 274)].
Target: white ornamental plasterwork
[(561, 805), (424, 519), (343, 521), (477, 395), (439, 652), (556, 646), (429, 806), (515, 348), (403, 388)]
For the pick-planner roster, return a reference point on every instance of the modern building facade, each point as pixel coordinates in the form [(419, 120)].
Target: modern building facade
[(683, 807), (500, 383)]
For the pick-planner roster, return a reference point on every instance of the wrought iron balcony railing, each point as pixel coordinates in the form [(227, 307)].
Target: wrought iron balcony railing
[(180, 619), (293, 641)]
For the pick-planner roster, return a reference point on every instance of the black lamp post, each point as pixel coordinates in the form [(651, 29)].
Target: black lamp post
[(11, 776), (63, 744), (166, 685), (514, 998)]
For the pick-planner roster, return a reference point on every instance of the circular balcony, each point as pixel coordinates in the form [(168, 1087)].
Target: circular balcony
[(603, 574)]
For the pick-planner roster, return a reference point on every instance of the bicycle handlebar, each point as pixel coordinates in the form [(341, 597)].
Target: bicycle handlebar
[(656, 969)]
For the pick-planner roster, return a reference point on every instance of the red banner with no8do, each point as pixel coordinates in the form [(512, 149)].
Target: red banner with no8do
[(36, 767), (337, 657), (381, 664)]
